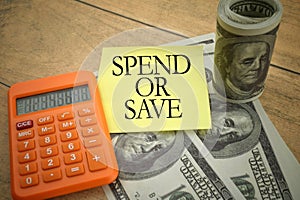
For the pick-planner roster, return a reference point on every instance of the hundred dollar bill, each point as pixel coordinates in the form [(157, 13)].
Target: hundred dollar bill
[(244, 146), (166, 165), (250, 160), (246, 34)]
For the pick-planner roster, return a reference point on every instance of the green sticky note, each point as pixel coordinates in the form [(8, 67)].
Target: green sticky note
[(154, 88)]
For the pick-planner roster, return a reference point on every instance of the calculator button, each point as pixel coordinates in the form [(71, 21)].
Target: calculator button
[(86, 111), (47, 140), (27, 156), (96, 159), (26, 145), (49, 151), (24, 125), (70, 146), (28, 168), (92, 141), (69, 135), (67, 125), (72, 158), (45, 120), (87, 121), (29, 181), (65, 115), (50, 163), (51, 175), (26, 134), (75, 170), (91, 130), (45, 130)]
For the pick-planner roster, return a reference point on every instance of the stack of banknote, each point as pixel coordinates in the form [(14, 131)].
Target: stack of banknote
[(241, 157), (245, 37)]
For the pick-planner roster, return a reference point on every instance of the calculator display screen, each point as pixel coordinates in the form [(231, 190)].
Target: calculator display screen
[(53, 99)]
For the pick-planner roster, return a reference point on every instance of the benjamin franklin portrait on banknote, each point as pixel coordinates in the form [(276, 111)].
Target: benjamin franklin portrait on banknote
[(143, 155), (235, 129), (246, 66), (243, 67)]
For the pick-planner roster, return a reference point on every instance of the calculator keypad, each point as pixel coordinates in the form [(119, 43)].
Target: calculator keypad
[(59, 139), (74, 134)]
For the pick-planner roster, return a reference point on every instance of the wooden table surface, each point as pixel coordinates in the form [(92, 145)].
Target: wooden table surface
[(41, 38)]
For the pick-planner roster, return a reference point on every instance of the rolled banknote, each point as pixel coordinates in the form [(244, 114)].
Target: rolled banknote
[(245, 37)]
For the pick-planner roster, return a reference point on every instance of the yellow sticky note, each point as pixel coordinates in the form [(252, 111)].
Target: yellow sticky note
[(154, 88)]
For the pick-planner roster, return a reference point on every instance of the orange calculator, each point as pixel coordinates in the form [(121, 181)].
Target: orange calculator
[(59, 139)]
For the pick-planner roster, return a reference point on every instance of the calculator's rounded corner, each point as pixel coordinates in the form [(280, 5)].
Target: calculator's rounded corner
[(113, 176), (14, 87), (15, 195), (11, 97)]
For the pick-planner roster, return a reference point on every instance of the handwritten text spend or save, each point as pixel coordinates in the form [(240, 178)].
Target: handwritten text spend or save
[(152, 65)]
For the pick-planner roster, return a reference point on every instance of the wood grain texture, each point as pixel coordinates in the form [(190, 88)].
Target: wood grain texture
[(281, 101), (287, 46), (42, 38), (4, 147), (192, 18)]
